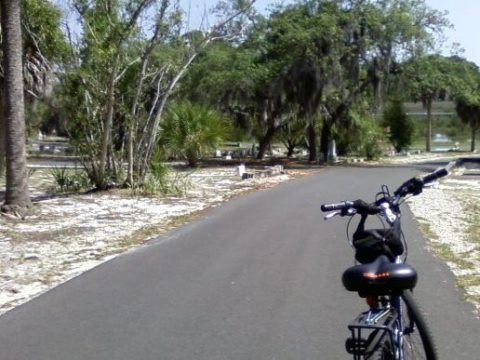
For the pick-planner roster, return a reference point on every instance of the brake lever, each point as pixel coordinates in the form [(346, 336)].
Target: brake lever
[(332, 214), (348, 212)]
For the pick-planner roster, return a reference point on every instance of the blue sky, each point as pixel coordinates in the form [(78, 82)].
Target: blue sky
[(463, 14)]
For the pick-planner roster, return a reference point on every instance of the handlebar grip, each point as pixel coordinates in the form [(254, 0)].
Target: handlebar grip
[(415, 185), (338, 206), (441, 172)]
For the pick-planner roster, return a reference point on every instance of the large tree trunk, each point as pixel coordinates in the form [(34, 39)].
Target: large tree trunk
[(325, 139), (472, 146), (133, 122), (312, 142), (17, 199), (428, 105), (290, 148), (101, 180), (265, 142), (154, 125), (2, 137)]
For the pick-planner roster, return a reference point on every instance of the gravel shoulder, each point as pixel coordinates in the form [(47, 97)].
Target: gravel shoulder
[(449, 218)]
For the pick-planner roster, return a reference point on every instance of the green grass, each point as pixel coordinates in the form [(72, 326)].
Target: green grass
[(467, 281), (473, 298), (438, 106), (473, 219), (427, 231), (444, 252), (420, 144)]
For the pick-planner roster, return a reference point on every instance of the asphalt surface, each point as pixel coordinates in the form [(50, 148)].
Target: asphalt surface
[(257, 278)]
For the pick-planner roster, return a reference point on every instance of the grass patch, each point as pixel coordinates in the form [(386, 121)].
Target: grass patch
[(427, 231), (40, 236), (164, 181), (148, 232), (66, 179), (467, 281), (443, 251), (473, 220), (12, 234), (473, 298)]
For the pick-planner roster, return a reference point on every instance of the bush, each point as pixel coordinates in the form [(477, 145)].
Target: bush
[(363, 137), (401, 127), (191, 130), (162, 180), (70, 179), (372, 143)]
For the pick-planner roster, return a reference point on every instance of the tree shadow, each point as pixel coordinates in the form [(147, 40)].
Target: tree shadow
[(42, 197)]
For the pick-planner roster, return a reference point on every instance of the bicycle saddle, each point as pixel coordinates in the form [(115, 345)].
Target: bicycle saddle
[(380, 277)]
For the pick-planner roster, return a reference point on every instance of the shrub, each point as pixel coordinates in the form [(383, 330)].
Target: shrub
[(70, 179), (190, 130), (162, 180), (401, 127), (362, 137)]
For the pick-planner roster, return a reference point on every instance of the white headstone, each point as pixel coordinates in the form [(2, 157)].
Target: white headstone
[(241, 170), (332, 151)]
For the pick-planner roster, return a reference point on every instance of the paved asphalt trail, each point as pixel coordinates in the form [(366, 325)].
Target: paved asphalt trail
[(255, 279)]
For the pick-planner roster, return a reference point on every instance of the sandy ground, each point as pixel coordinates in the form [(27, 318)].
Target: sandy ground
[(69, 234)]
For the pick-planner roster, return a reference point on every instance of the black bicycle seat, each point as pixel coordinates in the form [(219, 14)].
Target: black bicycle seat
[(380, 277)]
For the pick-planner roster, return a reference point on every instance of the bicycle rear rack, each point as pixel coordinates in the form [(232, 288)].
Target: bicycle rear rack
[(368, 331)]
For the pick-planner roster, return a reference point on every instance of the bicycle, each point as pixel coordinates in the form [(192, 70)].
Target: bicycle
[(393, 327)]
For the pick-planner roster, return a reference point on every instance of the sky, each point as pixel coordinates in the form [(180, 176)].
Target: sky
[(463, 14)]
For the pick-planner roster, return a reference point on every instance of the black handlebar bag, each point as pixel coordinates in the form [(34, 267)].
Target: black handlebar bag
[(371, 243)]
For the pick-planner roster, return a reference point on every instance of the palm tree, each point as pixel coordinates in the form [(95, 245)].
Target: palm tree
[(42, 40), (190, 130), (17, 199), (470, 115), (2, 136)]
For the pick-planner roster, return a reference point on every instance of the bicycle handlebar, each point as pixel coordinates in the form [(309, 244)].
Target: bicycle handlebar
[(413, 186), (437, 174)]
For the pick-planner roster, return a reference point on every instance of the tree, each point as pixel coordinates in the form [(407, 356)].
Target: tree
[(467, 100), (467, 96), (292, 134), (125, 79), (397, 28), (17, 199), (334, 53), (108, 28), (324, 57), (378, 35), (428, 77), (45, 53), (469, 113), (43, 43)]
